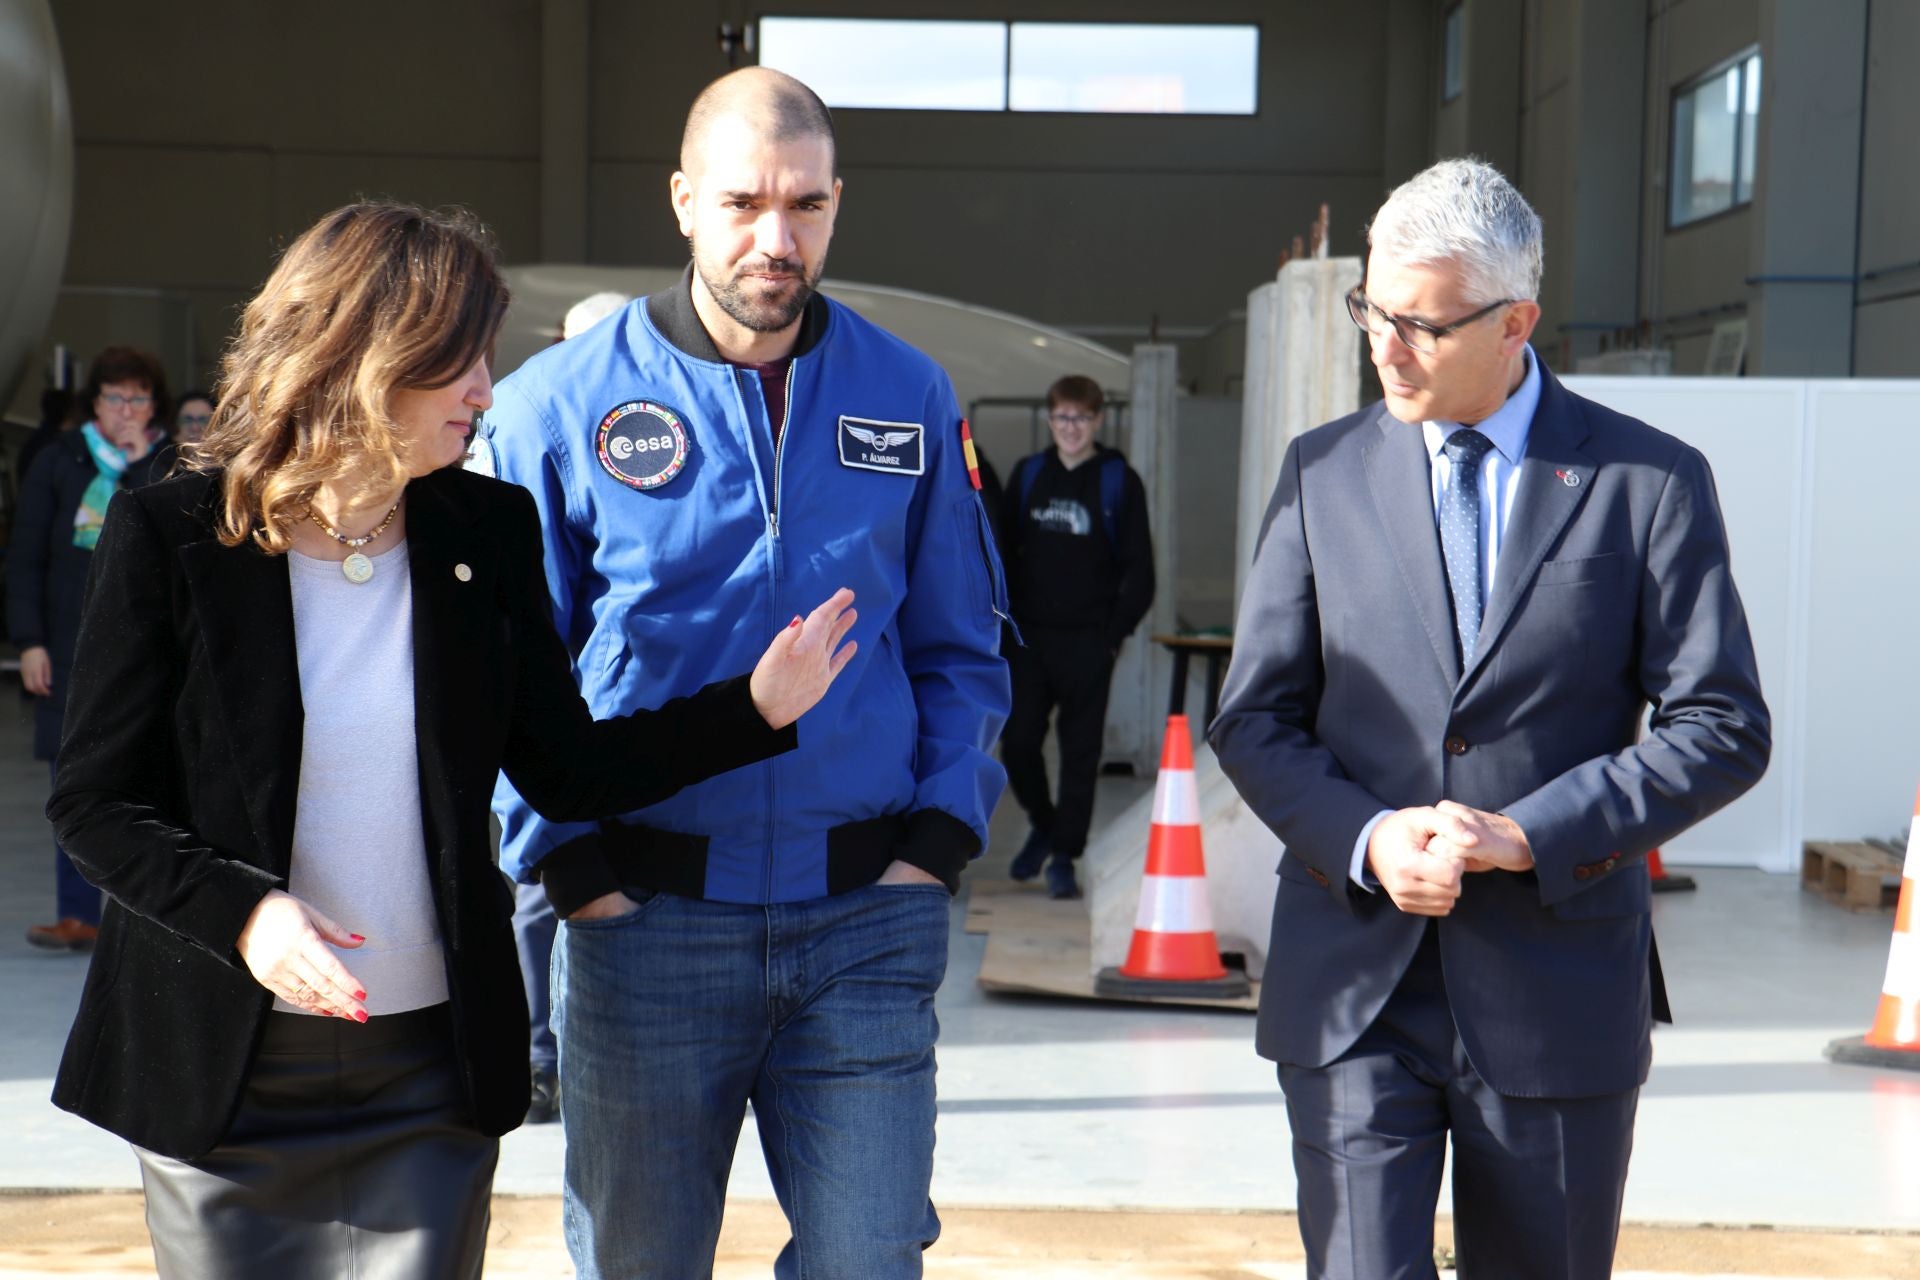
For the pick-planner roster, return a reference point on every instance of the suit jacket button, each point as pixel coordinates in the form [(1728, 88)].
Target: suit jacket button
[(1456, 746)]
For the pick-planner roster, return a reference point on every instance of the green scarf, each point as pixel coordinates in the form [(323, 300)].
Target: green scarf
[(92, 512)]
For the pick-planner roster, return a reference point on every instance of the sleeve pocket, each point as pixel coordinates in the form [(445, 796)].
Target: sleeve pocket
[(986, 580)]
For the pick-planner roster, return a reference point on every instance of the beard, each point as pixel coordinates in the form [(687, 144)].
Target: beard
[(748, 303)]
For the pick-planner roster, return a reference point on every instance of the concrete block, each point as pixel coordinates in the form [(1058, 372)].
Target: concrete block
[(1303, 369)]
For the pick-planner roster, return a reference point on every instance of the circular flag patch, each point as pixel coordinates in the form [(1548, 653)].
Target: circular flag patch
[(642, 444)]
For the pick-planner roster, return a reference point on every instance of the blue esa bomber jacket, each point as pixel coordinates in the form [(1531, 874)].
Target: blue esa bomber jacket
[(679, 540)]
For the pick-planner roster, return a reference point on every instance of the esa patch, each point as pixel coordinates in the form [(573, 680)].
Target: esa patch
[(882, 446), (642, 444)]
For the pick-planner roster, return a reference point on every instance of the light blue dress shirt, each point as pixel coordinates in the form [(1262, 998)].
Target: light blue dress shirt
[(1499, 485)]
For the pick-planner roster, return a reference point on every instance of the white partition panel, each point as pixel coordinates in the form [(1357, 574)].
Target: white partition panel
[(1812, 478), (1862, 625)]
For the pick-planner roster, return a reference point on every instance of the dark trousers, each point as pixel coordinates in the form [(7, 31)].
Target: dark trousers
[(1068, 670), (1537, 1182), (533, 929)]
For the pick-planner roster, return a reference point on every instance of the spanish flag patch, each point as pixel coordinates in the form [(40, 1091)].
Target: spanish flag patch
[(973, 459)]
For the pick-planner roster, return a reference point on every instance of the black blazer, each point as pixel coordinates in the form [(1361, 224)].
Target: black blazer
[(180, 769), (46, 573)]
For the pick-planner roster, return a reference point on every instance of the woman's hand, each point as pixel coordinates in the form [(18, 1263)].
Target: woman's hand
[(284, 945), (802, 661), (36, 671)]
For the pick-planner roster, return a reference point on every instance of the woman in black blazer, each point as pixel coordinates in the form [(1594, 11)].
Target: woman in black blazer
[(328, 556)]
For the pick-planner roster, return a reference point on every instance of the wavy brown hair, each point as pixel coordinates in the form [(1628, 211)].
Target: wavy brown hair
[(373, 298)]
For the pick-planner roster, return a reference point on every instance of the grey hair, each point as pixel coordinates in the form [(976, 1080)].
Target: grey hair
[(1464, 212)]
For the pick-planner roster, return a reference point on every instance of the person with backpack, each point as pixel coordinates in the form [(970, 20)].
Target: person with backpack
[(1079, 560)]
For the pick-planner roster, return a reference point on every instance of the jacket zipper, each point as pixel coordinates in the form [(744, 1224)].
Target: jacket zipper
[(777, 568)]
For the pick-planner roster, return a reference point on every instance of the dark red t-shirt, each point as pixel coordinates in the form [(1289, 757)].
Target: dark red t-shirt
[(773, 386)]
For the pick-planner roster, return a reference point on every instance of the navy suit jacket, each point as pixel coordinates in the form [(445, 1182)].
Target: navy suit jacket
[(1347, 695)]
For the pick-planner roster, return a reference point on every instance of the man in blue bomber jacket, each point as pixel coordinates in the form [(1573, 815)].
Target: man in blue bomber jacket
[(710, 462)]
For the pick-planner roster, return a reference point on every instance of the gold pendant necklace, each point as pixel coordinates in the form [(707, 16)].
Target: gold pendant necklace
[(357, 568)]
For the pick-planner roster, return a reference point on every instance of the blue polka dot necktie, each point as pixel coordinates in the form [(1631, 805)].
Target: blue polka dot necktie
[(1460, 531)]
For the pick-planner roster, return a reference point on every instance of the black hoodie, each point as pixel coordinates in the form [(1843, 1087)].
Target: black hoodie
[(1063, 568)]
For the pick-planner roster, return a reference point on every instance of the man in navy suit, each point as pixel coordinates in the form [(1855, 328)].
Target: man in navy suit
[(1463, 604)]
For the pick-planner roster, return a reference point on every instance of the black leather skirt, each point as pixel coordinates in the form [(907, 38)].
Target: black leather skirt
[(352, 1158)]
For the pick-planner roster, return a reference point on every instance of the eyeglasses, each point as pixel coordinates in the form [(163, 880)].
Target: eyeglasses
[(1072, 419), (113, 400), (1417, 334), (195, 419)]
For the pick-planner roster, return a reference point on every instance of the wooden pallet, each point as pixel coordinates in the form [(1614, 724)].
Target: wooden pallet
[(1856, 876), (1039, 947)]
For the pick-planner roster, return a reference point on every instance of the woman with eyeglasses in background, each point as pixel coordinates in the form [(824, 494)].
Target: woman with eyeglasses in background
[(63, 502), (190, 419)]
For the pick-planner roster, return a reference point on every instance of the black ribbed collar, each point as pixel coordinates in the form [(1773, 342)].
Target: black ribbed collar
[(673, 315)]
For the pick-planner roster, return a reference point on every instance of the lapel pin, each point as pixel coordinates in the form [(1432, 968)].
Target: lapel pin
[(463, 573), (1571, 479)]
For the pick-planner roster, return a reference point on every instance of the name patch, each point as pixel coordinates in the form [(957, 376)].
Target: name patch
[(882, 446), (642, 444)]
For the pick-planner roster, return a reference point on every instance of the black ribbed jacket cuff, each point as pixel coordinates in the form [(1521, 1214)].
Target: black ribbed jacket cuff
[(731, 733), (939, 844), (576, 873)]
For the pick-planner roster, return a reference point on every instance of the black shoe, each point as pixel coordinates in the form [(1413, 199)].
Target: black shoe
[(545, 1107), (1061, 883), (1032, 856)]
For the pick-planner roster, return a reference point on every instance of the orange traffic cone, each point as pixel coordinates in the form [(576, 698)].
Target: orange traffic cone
[(1665, 883), (1174, 952), (1895, 1038)]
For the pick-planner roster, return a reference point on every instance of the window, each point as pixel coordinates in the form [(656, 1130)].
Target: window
[(1141, 68), (1078, 67), (1715, 130), (1453, 69), (885, 62)]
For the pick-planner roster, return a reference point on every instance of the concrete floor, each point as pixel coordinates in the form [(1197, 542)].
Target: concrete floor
[(1055, 1104)]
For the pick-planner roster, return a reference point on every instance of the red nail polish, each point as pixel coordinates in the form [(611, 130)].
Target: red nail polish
[(359, 995), (795, 622), (326, 1013), (358, 937), (359, 1015)]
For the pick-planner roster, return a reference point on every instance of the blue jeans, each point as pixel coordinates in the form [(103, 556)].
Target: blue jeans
[(673, 1017)]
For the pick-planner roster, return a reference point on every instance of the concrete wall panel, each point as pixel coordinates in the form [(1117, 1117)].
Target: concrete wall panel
[(1890, 196), (170, 218), (1887, 343), (1700, 33), (425, 77), (505, 193)]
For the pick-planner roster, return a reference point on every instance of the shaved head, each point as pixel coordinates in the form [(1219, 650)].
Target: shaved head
[(774, 105)]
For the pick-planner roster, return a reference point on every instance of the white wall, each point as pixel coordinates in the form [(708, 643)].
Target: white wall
[(1815, 480)]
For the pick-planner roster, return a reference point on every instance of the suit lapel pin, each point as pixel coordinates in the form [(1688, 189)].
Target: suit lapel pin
[(1571, 479), (463, 573)]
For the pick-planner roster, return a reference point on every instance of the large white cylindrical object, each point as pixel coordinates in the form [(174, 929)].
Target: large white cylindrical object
[(36, 195)]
